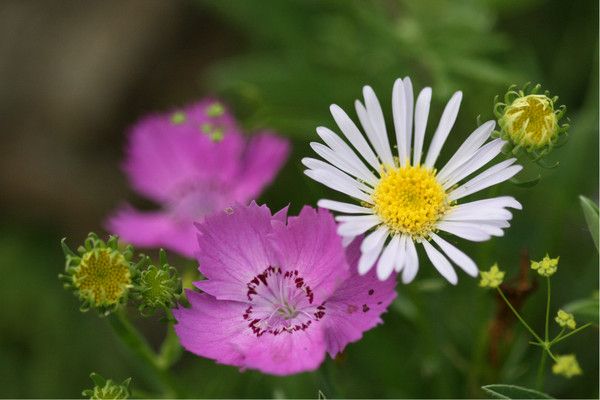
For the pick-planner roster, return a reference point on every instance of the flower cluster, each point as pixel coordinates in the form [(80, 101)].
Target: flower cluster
[(103, 276), (492, 278), (280, 291), (566, 366), (192, 162), (546, 266), (565, 319)]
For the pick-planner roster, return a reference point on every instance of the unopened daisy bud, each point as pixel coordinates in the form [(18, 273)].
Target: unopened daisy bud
[(492, 278), (566, 366), (565, 319), (107, 389), (157, 286), (529, 120), (100, 273), (545, 267)]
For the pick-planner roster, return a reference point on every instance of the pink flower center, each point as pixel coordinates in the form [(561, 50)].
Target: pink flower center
[(280, 302)]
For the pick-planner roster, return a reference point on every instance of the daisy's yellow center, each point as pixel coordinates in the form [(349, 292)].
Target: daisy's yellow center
[(410, 200), (531, 121), (102, 277)]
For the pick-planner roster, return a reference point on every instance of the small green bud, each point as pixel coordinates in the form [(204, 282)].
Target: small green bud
[(214, 110), (545, 267), (529, 120), (565, 319), (100, 275), (492, 278), (107, 389), (217, 135), (178, 118), (157, 286), (567, 366)]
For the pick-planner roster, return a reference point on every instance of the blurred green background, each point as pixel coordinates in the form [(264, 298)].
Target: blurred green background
[(74, 75)]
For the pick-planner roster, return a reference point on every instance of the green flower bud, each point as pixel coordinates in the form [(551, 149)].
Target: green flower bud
[(157, 286), (100, 275), (545, 267), (107, 389), (215, 110), (492, 278), (529, 121), (566, 366), (565, 319)]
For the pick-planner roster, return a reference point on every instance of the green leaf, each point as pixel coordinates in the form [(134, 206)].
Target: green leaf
[(499, 391), (590, 212), (584, 308)]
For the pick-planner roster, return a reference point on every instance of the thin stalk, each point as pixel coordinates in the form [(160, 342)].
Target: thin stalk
[(561, 338), (547, 309), (134, 340), (519, 317), (540, 374)]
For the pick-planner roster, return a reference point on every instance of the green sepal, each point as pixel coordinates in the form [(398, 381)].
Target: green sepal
[(107, 389)]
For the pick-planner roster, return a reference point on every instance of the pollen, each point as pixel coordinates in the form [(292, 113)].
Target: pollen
[(102, 277), (410, 200), (531, 121)]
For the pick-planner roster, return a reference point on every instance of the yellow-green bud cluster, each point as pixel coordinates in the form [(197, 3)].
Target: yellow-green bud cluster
[(492, 278), (157, 286), (529, 120), (567, 366), (565, 319), (100, 273), (546, 266), (107, 389)]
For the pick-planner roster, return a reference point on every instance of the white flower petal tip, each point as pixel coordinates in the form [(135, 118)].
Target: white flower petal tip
[(362, 161)]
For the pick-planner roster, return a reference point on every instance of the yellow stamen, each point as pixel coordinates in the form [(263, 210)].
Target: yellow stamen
[(103, 277), (531, 121), (410, 200)]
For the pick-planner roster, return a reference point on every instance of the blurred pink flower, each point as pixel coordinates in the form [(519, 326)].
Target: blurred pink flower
[(192, 162), (280, 293)]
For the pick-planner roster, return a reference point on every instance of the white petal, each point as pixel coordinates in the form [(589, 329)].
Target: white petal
[(343, 207), (459, 258), (410, 104), (354, 136), (378, 123), (373, 239), (400, 113), (477, 213), (318, 165), (489, 228), (421, 114), (467, 149), (468, 233), (412, 262), (443, 129), (440, 263), (367, 260), (401, 256), (482, 181), (371, 133), (344, 151), (334, 165), (330, 181), (385, 266), (492, 202), (481, 157), (357, 226)]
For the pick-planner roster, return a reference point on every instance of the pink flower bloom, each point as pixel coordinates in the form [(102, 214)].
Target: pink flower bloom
[(192, 162), (280, 291)]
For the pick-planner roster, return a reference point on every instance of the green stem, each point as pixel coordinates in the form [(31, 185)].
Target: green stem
[(170, 350), (134, 340), (540, 374), (561, 338), (547, 309), (519, 316)]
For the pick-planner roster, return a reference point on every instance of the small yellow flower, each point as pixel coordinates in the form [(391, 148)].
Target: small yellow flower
[(567, 366), (492, 278), (545, 267), (564, 319)]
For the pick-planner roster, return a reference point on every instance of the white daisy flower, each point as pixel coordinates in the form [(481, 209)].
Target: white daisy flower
[(403, 201)]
